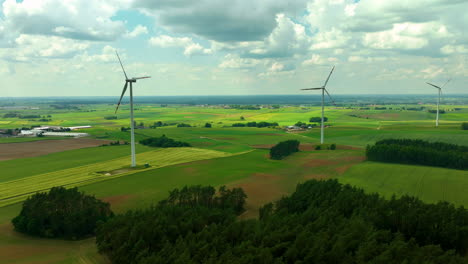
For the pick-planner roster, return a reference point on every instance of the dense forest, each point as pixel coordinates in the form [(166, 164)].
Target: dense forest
[(139, 236), (415, 151), (321, 222), (61, 213), (284, 149), (163, 142)]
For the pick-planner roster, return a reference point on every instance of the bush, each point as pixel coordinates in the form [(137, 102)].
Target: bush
[(163, 142), (61, 213), (208, 125), (183, 125), (464, 126), (318, 147), (283, 149), (110, 117), (318, 119), (333, 146)]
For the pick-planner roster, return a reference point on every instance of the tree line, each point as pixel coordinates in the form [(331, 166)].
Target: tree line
[(61, 213), (415, 151), (284, 149), (321, 222), (255, 124), (163, 142)]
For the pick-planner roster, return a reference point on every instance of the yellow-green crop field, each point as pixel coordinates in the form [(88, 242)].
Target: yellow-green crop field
[(18, 190)]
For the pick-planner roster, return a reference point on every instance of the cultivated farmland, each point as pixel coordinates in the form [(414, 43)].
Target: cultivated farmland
[(222, 155)]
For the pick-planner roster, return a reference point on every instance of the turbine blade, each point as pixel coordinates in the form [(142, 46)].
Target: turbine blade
[(121, 65), (446, 82), (123, 93), (433, 85), (333, 101), (144, 77), (313, 88), (328, 77)]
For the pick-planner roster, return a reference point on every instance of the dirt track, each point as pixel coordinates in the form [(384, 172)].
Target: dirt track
[(10, 151)]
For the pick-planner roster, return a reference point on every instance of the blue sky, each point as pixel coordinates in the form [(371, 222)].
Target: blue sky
[(241, 47)]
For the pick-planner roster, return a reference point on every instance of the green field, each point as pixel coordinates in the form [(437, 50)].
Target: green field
[(19, 189), (221, 155), (430, 184)]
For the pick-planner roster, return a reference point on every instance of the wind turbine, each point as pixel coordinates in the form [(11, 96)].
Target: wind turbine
[(324, 90), (132, 124), (438, 100)]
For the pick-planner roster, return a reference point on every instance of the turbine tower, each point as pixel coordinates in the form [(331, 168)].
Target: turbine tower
[(132, 123), (438, 100), (324, 90)]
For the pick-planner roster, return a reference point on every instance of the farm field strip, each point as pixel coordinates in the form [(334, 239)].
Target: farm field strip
[(18, 190), (430, 184)]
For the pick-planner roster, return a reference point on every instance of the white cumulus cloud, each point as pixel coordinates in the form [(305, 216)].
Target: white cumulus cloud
[(190, 47)]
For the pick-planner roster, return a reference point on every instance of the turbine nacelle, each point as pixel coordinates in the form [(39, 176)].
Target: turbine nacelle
[(133, 80)]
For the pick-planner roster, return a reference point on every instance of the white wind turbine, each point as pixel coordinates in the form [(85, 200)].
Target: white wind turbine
[(132, 123), (438, 100), (324, 90)]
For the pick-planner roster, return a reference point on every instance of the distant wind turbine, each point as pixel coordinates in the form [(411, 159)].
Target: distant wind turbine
[(132, 123), (324, 90), (438, 100)]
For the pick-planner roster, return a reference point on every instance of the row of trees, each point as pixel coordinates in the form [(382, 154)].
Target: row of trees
[(163, 142), (255, 124), (409, 151), (61, 213), (27, 116), (140, 236), (284, 149), (321, 222), (245, 107), (433, 111)]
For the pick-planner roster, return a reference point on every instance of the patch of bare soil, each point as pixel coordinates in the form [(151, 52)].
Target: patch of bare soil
[(344, 168), (302, 147), (347, 147), (117, 199), (189, 170), (354, 158), (318, 162), (306, 147), (10, 151), (261, 188)]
